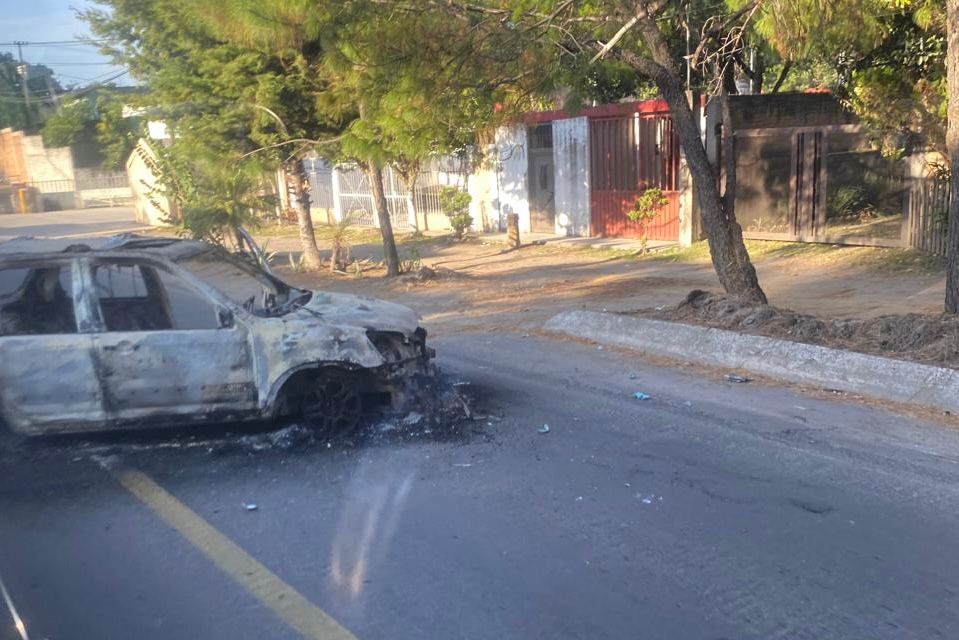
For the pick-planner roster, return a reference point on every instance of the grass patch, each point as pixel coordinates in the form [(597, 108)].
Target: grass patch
[(879, 258)]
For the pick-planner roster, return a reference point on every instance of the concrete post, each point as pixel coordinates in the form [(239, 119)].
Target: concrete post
[(335, 190)]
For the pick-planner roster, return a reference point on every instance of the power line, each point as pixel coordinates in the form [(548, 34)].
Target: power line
[(71, 94), (51, 42), (72, 64)]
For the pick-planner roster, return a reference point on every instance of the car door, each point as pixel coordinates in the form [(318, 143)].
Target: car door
[(48, 381), (165, 348)]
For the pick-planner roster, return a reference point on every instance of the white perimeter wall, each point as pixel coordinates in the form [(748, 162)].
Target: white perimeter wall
[(571, 174), (511, 191)]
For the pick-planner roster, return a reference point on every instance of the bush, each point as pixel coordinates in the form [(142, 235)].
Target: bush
[(456, 204)]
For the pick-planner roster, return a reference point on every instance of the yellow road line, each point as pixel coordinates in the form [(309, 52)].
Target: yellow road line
[(264, 585)]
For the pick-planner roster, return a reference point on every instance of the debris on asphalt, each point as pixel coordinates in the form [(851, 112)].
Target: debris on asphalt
[(600, 348), (633, 376), (648, 499), (250, 506), (544, 429), (463, 465), (688, 403), (639, 395), (735, 377), (412, 419)]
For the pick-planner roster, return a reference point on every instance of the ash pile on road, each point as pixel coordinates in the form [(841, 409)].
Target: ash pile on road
[(928, 339), (440, 410)]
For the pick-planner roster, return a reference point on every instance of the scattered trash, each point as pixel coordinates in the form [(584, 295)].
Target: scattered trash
[(250, 506), (627, 484), (461, 383), (648, 499), (688, 403), (579, 498), (412, 419), (639, 395), (734, 377), (633, 376), (463, 465), (599, 348), (544, 429), (660, 307), (525, 335)]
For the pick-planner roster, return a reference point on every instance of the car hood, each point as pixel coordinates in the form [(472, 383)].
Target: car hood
[(362, 311)]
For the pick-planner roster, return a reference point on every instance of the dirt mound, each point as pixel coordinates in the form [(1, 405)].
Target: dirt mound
[(920, 338)]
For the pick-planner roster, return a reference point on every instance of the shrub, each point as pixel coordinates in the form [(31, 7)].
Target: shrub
[(456, 204)]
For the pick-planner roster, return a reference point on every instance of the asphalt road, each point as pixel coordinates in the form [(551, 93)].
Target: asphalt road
[(713, 510), (69, 223)]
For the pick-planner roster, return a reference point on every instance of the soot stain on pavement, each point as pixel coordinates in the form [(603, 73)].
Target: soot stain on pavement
[(445, 411)]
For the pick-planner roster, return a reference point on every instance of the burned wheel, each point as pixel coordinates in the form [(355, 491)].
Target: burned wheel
[(331, 403)]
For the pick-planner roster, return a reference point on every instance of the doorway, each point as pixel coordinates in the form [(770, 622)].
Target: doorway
[(540, 179)]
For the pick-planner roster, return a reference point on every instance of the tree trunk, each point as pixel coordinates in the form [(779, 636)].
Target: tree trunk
[(726, 247), (952, 148), (301, 189), (409, 181), (375, 173)]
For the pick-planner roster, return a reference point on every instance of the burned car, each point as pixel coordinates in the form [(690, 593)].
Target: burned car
[(145, 331)]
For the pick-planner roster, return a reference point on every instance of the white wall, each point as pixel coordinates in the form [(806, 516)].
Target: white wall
[(511, 193), (151, 207), (48, 165), (571, 175)]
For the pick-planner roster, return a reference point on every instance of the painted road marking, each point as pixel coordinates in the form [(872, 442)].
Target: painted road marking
[(14, 615), (286, 602)]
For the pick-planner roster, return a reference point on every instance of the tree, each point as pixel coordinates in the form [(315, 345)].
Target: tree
[(952, 146), (96, 120), (639, 34), (42, 89), (401, 85), (884, 58), (218, 99)]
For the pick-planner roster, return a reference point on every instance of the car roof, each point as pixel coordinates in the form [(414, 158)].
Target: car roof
[(171, 248)]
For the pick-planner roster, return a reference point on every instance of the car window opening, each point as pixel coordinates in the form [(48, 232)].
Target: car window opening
[(244, 283), (134, 297), (37, 301)]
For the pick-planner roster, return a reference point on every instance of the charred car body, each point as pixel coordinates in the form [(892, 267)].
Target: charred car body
[(142, 331)]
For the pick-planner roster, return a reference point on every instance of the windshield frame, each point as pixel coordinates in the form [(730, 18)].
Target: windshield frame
[(271, 285)]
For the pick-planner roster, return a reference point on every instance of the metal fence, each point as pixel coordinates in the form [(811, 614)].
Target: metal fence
[(345, 191)]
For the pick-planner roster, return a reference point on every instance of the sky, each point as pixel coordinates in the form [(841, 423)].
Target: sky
[(38, 21)]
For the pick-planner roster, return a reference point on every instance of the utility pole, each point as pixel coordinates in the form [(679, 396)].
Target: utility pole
[(24, 71)]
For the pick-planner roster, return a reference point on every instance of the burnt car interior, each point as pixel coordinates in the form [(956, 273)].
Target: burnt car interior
[(137, 297), (37, 300)]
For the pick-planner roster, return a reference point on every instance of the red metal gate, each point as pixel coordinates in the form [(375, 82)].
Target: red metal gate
[(629, 154)]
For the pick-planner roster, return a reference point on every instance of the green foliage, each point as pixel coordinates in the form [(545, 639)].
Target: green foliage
[(14, 111), (210, 197), (95, 120), (647, 204), (71, 122), (413, 262), (850, 201), (455, 203), (645, 208), (884, 58)]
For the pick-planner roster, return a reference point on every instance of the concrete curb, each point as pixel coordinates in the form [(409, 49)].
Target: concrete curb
[(885, 378)]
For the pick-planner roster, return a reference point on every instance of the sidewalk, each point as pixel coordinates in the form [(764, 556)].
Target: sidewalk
[(616, 244)]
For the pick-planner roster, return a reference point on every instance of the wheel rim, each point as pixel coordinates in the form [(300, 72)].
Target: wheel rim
[(332, 404)]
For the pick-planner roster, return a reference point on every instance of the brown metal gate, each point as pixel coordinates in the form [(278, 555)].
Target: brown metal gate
[(629, 154)]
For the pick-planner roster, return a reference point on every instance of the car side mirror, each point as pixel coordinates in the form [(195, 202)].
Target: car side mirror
[(225, 318)]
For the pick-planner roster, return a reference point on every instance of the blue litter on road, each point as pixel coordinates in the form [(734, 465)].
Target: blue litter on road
[(639, 395)]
